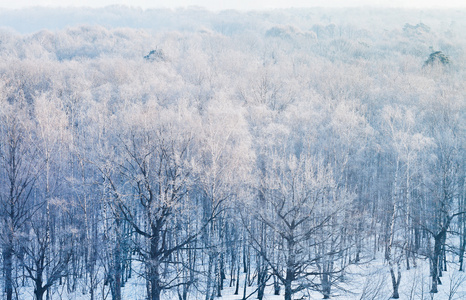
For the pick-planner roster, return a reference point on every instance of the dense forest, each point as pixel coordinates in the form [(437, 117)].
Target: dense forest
[(193, 155)]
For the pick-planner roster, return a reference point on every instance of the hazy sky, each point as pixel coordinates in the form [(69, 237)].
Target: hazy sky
[(232, 4)]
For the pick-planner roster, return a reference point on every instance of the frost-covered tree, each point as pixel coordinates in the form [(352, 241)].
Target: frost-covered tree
[(19, 170)]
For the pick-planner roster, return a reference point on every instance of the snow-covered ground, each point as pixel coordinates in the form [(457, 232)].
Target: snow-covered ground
[(372, 282), (369, 281)]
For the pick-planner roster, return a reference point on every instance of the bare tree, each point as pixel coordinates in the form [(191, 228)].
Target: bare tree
[(301, 199), (150, 180), (19, 168)]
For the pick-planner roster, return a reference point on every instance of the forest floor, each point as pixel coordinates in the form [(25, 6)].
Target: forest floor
[(372, 281), (362, 282)]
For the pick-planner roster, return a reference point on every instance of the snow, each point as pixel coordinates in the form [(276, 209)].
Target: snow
[(368, 281)]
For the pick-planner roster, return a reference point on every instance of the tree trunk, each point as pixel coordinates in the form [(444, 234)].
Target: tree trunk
[(237, 278), (218, 279), (388, 254), (246, 281), (290, 264), (116, 282), (461, 254), (326, 286), (276, 286), (39, 290), (261, 282), (155, 288), (116, 266), (436, 260), (39, 293), (245, 265), (222, 270), (288, 282), (209, 277), (8, 269), (395, 281)]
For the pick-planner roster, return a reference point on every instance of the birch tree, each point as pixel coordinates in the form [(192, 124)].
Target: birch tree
[(19, 169)]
